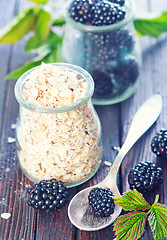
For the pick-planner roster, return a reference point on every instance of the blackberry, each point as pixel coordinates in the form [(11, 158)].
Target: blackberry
[(127, 71), (81, 11), (104, 50), (96, 13), (103, 84), (106, 13), (47, 195), (101, 202), (145, 176), (99, 50), (159, 143), (120, 2), (123, 40), (102, 46)]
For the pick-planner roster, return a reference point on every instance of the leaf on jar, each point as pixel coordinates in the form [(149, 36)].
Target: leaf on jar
[(39, 1), (42, 27), (18, 27), (152, 27)]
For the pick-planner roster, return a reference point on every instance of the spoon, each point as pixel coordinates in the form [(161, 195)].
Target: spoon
[(78, 210)]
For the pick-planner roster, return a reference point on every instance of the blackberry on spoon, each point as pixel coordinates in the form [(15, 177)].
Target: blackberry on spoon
[(101, 201)]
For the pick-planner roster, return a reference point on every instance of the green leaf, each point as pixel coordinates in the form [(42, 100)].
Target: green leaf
[(54, 41), (33, 63), (48, 52), (59, 21), (39, 1), (130, 226), (31, 45), (158, 220), (151, 27), (18, 27), (42, 27), (55, 56), (132, 201), (55, 44), (18, 72)]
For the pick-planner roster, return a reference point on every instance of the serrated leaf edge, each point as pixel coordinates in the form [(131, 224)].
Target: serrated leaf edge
[(153, 221), (119, 223), (134, 195)]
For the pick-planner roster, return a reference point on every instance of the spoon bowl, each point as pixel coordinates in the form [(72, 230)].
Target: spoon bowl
[(79, 211), (83, 218)]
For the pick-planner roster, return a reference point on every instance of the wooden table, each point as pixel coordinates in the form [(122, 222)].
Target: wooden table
[(28, 224)]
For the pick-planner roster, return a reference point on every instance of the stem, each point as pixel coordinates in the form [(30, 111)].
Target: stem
[(156, 198), (148, 212)]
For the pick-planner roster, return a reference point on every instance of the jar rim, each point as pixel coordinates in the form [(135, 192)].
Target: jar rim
[(130, 10), (21, 81)]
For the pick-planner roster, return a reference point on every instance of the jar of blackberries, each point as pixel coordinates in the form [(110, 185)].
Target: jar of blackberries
[(100, 37)]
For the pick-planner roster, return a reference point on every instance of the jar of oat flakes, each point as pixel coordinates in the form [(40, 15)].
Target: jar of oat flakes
[(58, 131), (100, 37)]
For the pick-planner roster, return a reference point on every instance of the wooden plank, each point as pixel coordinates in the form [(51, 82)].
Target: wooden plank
[(4, 165), (152, 81), (109, 117), (25, 223), (13, 184), (5, 16), (54, 225)]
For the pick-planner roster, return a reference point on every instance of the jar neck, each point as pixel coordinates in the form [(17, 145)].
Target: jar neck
[(129, 8), (81, 72)]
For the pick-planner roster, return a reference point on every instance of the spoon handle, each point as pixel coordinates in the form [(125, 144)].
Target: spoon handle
[(142, 121)]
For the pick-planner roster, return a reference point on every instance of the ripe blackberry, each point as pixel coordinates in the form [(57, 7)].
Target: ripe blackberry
[(106, 13), (120, 2), (96, 12), (103, 84), (159, 143), (47, 194), (102, 46), (81, 10), (123, 40), (127, 71), (101, 201), (145, 176), (105, 50)]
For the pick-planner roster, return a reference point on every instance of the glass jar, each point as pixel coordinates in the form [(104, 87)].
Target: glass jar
[(61, 142), (111, 54)]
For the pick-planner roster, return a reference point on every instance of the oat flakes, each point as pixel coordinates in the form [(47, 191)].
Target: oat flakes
[(63, 145)]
